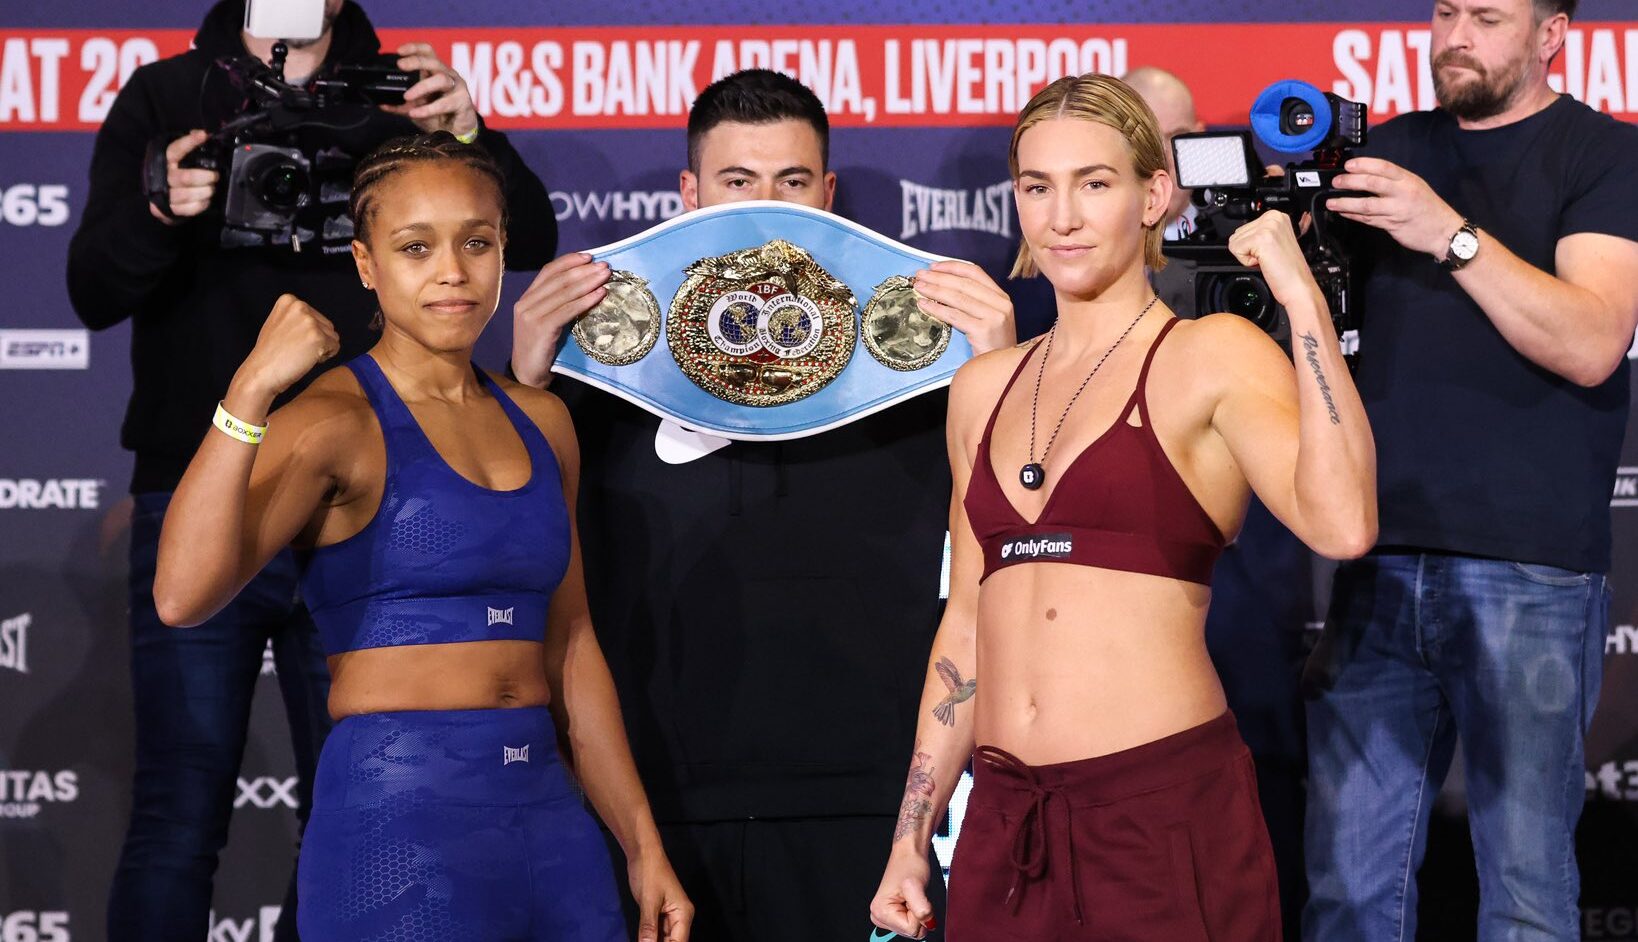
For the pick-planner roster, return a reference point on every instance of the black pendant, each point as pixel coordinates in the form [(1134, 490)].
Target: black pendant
[(1032, 476)]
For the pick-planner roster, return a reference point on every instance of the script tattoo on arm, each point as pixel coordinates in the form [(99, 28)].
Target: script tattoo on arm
[(1310, 348), (918, 796), (960, 690)]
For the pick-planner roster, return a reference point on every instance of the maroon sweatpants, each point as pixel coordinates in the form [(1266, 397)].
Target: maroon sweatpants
[(1164, 842)]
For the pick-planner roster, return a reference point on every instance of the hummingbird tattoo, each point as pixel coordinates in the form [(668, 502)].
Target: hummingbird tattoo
[(960, 690)]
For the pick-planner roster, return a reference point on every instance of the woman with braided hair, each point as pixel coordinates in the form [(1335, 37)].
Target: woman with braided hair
[(1098, 473), (443, 570)]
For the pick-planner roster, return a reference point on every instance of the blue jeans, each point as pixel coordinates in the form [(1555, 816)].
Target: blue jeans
[(1421, 652), (192, 689)]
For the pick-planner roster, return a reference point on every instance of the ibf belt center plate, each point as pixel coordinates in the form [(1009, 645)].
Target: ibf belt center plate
[(762, 326)]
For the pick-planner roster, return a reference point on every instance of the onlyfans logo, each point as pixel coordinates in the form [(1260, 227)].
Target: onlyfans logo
[(1048, 546)]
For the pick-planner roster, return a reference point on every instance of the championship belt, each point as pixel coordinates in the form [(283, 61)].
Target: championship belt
[(761, 320)]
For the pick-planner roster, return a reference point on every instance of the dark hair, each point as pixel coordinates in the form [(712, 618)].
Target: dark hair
[(401, 152), (755, 96), (1550, 8)]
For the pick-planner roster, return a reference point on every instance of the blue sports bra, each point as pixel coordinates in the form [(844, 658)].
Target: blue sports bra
[(443, 559)]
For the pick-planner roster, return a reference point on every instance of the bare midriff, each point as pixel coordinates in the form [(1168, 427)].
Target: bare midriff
[(468, 675), (1076, 662)]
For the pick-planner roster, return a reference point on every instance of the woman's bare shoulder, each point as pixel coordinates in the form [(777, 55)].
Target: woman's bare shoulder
[(979, 381), (544, 408), (333, 407)]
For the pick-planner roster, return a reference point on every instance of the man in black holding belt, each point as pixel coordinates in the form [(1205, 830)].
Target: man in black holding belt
[(196, 306), (761, 604)]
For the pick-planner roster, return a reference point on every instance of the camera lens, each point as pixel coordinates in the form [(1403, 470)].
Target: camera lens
[(1249, 297), (279, 182), (1296, 117)]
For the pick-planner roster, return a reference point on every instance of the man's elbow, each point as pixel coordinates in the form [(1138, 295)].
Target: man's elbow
[(94, 318), (1594, 370), (90, 300)]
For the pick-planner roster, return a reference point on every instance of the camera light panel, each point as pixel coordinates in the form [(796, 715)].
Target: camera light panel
[(284, 19), (1211, 160)]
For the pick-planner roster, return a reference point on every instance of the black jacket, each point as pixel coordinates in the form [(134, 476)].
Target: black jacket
[(195, 307), (766, 610)]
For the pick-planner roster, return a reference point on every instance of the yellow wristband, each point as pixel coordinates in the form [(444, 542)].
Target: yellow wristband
[(470, 136), (235, 428)]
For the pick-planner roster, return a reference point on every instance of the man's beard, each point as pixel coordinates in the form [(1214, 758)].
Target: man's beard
[(329, 20), (1483, 96)]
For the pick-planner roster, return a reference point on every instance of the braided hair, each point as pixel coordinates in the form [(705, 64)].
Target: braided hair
[(403, 152)]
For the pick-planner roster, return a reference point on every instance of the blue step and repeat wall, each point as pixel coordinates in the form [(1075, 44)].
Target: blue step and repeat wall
[(595, 95)]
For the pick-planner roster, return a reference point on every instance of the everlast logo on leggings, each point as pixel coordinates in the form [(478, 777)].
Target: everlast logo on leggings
[(1045, 546)]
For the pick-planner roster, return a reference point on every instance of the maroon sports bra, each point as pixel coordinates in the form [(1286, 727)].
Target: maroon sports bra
[(1119, 505)]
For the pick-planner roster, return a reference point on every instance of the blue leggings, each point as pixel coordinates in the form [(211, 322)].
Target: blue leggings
[(452, 825)]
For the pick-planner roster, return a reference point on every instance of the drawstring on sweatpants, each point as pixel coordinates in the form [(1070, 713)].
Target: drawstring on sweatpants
[(1029, 839)]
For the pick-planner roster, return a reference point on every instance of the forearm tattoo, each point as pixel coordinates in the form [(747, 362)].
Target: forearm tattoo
[(960, 690), (1310, 348), (918, 796)]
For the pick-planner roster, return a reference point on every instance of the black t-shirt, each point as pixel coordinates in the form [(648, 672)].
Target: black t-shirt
[(1479, 451), (767, 609)]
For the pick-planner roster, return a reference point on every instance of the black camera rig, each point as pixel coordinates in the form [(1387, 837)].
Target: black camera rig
[(274, 176), (1231, 188)]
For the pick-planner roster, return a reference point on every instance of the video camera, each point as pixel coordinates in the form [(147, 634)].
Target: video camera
[(1231, 188), (269, 178)]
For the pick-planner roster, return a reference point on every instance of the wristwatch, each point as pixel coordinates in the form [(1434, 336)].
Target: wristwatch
[(1463, 246)]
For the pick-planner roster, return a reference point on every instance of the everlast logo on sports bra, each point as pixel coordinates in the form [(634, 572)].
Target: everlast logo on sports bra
[(500, 615), (1045, 546)]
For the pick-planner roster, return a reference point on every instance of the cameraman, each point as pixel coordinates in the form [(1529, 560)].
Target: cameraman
[(1498, 313), (196, 308)]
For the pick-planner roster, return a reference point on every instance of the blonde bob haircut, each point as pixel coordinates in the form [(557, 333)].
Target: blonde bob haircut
[(1106, 100)]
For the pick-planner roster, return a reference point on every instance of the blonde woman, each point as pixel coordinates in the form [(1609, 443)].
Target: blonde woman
[(1098, 473)]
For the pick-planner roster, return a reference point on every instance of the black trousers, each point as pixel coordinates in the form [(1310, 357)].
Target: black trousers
[(796, 879)]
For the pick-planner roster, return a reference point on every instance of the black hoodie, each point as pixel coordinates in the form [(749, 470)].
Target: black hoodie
[(196, 308)]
